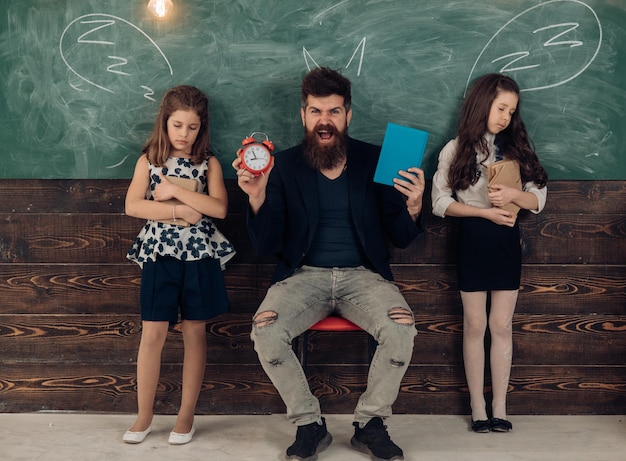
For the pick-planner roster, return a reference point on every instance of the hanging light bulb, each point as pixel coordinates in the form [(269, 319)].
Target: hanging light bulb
[(160, 8)]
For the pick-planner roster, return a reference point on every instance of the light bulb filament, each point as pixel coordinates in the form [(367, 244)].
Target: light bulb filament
[(160, 7)]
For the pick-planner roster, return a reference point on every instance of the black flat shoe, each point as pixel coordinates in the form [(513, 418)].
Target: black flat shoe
[(500, 425), (482, 426)]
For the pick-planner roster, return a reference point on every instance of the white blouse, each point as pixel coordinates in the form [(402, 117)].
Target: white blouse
[(476, 194)]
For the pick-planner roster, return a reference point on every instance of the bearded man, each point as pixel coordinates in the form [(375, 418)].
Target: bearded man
[(320, 213)]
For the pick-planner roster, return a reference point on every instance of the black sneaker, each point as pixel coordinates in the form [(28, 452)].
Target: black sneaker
[(374, 440), (310, 440)]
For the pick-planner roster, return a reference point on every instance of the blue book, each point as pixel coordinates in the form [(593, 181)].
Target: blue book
[(403, 147)]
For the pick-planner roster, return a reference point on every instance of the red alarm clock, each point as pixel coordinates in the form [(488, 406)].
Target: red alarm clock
[(256, 156)]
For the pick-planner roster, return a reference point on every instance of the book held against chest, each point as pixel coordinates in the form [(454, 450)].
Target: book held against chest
[(506, 172), (185, 183)]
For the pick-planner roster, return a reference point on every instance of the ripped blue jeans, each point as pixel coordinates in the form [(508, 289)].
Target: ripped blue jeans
[(358, 294)]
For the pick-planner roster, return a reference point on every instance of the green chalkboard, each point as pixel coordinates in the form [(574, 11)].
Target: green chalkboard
[(80, 80)]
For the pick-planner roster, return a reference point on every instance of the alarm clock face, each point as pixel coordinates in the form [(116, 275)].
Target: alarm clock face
[(256, 158)]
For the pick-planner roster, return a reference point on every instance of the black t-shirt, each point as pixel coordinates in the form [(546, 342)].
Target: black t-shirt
[(335, 243)]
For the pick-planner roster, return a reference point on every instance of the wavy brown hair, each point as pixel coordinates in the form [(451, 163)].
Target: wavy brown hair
[(182, 97), (513, 141)]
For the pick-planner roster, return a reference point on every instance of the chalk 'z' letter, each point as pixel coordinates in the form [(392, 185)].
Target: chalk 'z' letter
[(518, 57), (552, 42), (149, 93), (122, 62), (105, 23)]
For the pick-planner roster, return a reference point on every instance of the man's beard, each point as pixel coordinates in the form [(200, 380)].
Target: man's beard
[(325, 157)]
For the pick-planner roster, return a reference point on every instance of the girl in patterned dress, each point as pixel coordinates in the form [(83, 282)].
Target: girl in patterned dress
[(179, 249)]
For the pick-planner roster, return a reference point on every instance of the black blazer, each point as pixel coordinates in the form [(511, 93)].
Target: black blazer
[(285, 223)]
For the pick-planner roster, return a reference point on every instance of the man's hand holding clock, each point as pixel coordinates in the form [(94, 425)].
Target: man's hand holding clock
[(253, 163)]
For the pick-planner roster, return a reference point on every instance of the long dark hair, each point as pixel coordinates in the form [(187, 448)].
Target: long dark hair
[(514, 140), (182, 97)]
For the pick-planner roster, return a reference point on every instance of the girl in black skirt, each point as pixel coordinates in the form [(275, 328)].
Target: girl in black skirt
[(489, 256)]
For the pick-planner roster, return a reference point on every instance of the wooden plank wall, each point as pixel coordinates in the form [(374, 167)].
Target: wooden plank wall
[(69, 323)]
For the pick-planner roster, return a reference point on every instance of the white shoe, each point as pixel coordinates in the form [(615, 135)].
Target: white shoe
[(177, 438), (136, 437)]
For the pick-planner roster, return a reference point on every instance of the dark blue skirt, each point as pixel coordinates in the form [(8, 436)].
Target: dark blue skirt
[(195, 288), (489, 256)]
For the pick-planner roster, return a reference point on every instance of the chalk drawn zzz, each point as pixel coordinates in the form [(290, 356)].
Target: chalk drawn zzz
[(308, 59), (565, 38), (99, 36)]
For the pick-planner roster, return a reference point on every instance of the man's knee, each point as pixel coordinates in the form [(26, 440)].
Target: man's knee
[(401, 315), (270, 344), (264, 319), (398, 336)]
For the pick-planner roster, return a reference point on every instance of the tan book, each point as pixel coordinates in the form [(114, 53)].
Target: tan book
[(185, 183), (506, 172)]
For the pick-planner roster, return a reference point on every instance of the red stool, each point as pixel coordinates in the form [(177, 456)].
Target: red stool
[(332, 323)]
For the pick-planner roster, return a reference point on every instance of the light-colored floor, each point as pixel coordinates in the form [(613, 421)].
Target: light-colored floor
[(87, 437)]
